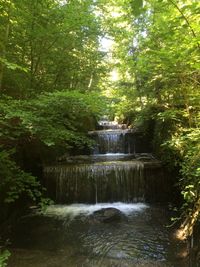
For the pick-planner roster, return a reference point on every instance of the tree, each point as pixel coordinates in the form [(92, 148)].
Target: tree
[(57, 45), (156, 54)]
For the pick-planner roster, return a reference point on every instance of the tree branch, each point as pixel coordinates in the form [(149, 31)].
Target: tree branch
[(186, 19)]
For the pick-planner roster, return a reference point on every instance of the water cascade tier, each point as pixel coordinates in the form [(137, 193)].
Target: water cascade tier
[(118, 138), (127, 181), (114, 141), (99, 182)]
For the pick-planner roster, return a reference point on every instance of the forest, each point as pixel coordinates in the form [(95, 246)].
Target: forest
[(64, 64)]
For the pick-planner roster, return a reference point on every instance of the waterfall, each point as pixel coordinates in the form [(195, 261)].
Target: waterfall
[(114, 141), (109, 175), (99, 182), (111, 142)]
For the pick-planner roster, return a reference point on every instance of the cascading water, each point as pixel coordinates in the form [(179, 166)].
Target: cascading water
[(114, 140), (111, 142), (108, 175), (115, 179), (98, 182)]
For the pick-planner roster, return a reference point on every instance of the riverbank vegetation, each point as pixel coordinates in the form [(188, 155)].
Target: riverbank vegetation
[(57, 79), (50, 67), (157, 61)]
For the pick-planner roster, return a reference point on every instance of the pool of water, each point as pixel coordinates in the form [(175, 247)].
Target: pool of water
[(65, 236)]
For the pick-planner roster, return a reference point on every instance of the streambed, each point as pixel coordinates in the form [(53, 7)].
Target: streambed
[(65, 237)]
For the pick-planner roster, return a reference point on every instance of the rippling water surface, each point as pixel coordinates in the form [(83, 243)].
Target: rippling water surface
[(66, 236)]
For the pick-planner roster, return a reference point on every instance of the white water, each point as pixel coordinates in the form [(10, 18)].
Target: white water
[(74, 210), (114, 154)]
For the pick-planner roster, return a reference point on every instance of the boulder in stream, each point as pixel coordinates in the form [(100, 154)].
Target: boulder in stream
[(106, 215)]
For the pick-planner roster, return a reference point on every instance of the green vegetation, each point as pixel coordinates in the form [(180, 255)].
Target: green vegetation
[(157, 58), (50, 67), (4, 255), (53, 123), (56, 82)]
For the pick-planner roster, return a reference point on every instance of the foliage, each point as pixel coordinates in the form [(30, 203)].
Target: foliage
[(4, 255), (55, 43), (156, 55), (50, 67), (55, 118), (58, 120), (188, 144), (15, 183)]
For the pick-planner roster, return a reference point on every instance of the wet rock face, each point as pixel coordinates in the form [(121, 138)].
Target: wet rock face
[(106, 215)]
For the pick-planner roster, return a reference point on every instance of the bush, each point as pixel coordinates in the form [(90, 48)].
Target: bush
[(16, 184)]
